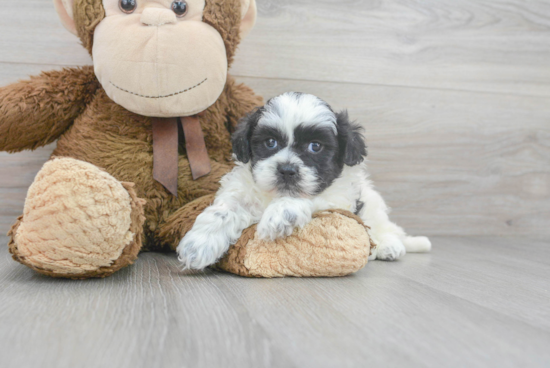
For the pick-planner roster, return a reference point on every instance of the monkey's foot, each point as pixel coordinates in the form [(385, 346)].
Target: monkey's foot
[(334, 243), (78, 222)]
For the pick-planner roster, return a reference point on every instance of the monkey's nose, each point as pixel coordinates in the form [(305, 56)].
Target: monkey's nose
[(157, 16), (288, 171)]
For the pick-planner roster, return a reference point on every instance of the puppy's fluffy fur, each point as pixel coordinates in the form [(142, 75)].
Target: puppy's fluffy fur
[(295, 156)]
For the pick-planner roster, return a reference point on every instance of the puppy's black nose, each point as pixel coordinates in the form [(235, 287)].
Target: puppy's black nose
[(288, 171)]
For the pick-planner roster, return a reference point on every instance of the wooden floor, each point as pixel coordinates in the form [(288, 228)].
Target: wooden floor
[(455, 99), (473, 302)]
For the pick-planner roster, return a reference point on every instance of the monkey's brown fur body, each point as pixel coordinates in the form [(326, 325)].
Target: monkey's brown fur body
[(95, 205), (120, 142)]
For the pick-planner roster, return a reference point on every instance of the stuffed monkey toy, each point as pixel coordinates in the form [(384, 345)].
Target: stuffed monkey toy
[(143, 137)]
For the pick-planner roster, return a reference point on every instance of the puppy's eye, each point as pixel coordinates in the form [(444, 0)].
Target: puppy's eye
[(271, 143), (127, 6), (180, 8), (315, 147)]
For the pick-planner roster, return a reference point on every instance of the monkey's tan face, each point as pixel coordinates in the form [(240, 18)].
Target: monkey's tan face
[(157, 57)]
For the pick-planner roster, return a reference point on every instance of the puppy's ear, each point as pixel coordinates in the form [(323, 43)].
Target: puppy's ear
[(243, 134), (352, 143)]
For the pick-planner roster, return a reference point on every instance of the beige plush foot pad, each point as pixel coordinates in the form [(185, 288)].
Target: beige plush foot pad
[(335, 243), (78, 222)]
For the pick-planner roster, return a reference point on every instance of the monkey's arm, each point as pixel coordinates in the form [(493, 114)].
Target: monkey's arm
[(37, 111), (242, 100)]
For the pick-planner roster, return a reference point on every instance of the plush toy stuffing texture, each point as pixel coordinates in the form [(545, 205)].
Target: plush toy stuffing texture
[(78, 219), (335, 243)]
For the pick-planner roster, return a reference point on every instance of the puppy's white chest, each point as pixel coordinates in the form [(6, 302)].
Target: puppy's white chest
[(342, 194)]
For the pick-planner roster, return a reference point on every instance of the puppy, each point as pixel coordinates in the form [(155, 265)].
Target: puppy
[(294, 156)]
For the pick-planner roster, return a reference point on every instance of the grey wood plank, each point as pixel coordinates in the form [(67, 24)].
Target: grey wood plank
[(501, 46), (149, 315), (391, 322), (33, 34), (510, 281), (417, 312)]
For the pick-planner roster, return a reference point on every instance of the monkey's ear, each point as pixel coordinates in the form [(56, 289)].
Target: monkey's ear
[(248, 18), (64, 9), (351, 140), (243, 134)]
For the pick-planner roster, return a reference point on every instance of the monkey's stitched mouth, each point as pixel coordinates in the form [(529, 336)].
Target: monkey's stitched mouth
[(156, 97)]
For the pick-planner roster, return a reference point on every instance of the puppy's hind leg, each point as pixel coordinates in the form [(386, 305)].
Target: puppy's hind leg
[(388, 237), (389, 246), (392, 241)]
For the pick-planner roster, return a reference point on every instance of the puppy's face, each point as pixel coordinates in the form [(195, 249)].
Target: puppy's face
[(297, 145)]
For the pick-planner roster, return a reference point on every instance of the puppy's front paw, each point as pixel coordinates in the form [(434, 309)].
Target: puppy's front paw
[(390, 248), (279, 222), (198, 250)]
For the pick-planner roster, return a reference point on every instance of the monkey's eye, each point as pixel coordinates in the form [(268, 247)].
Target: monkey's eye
[(127, 6), (271, 143), (315, 147), (180, 8)]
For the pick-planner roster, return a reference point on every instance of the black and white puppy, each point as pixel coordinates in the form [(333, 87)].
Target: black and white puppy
[(295, 156)]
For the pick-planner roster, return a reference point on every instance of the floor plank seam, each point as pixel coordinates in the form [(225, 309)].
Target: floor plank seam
[(484, 92)]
